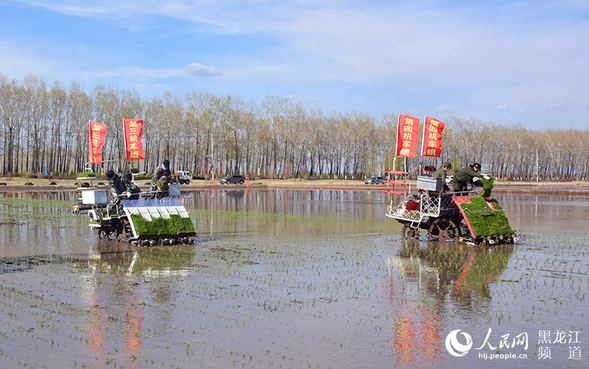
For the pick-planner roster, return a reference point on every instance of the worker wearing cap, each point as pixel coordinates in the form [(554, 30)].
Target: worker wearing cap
[(465, 176)]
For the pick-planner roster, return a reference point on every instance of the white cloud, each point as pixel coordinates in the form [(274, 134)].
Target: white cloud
[(443, 109), (120, 13), (347, 41), (192, 69), (530, 53), (201, 70)]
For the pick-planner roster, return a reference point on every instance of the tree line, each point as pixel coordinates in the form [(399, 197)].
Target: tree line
[(44, 129)]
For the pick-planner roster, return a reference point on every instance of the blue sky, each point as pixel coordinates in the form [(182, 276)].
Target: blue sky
[(498, 61)]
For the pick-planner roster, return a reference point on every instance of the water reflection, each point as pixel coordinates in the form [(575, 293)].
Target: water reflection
[(458, 269), (424, 279), (302, 272), (40, 223), (125, 295), (122, 258), (285, 214), (36, 223), (541, 213), (133, 330), (128, 303)]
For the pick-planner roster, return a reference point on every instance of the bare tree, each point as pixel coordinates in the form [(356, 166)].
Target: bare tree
[(46, 127)]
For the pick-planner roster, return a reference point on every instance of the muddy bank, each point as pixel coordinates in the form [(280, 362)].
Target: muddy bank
[(556, 188)]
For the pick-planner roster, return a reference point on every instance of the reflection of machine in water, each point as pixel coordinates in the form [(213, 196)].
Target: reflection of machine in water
[(119, 259), (440, 266), (120, 298), (421, 282)]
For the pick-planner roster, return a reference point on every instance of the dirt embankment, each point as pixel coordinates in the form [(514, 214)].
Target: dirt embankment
[(43, 185)]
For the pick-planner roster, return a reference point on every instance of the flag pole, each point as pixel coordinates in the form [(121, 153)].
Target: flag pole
[(90, 159), (125, 143)]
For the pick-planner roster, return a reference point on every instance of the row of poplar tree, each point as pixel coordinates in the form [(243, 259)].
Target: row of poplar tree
[(44, 130)]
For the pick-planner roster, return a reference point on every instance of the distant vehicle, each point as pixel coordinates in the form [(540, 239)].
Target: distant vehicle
[(233, 178), (374, 180), (184, 176)]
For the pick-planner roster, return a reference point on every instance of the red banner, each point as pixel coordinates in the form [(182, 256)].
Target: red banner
[(432, 137), (133, 129), (407, 136), (96, 140)]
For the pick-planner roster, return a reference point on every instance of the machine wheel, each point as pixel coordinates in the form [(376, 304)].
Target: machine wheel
[(408, 233), (102, 235), (125, 230), (107, 233), (442, 229)]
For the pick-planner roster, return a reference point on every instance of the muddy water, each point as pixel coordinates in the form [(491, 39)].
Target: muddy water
[(292, 279)]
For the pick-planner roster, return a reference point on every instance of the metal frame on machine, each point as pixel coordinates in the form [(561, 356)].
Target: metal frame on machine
[(430, 205)]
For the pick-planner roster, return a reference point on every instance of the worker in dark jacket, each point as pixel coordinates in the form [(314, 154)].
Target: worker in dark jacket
[(131, 187), (442, 172), (114, 180), (162, 170), (161, 177), (465, 176)]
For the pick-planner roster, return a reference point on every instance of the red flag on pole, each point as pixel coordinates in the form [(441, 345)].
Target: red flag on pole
[(407, 136), (133, 129), (432, 137), (96, 140)]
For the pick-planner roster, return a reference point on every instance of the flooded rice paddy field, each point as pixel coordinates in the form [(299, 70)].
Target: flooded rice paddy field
[(292, 279)]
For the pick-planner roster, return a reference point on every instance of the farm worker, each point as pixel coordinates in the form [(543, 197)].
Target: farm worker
[(442, 172), (161, 171), (162, 186), (114, 180), (466, 176), (131, 187)]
